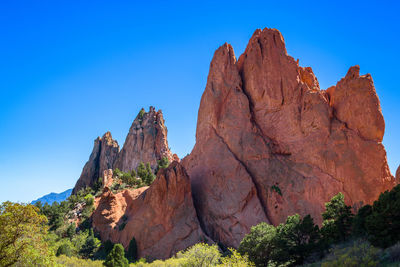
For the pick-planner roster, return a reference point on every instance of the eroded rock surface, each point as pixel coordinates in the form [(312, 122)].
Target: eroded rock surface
[(104, 153), (270, 143), (146, 142), (398, 173), (161, 217)]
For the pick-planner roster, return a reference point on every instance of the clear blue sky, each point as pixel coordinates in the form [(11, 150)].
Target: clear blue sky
[(72, 70)]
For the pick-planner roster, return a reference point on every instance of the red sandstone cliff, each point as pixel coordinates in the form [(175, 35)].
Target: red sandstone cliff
[(264, 124), (146, 142), (103, 155), (269, 143), (161, 217)]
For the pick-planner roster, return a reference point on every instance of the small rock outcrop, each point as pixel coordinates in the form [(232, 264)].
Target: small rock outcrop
[(146, 141), (104, 153), (398, 174), (270, 143), (161, 218)]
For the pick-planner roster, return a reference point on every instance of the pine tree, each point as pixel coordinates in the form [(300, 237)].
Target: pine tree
[(132, 254), (116, 257)]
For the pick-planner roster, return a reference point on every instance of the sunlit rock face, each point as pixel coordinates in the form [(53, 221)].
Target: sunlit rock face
[(146, 142), (270, 143)]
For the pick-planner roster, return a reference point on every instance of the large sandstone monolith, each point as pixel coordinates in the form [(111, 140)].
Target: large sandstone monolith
[(102, 158), (161, 218), (270, 143), (146, 142)]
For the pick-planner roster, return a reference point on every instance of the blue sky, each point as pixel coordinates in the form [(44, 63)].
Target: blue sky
[(72, 70)]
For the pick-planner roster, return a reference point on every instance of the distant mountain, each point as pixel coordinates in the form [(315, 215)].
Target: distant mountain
[(50, 198)]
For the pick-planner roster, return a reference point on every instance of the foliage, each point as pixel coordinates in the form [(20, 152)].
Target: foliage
[(116, 257), (90, 247), (132, 253), (22, 233), (296, 240), (76, 262), (162, 164), (359, 253), (287, 244), (200, 255), (259, 244), (338, 218), (64, 249), (141, 114), (235, 259), (383, 224), (276, 189), (145, 173)]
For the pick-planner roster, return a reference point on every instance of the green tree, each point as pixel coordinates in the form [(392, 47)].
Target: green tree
[(259, 244), (149, 175), (22, 233), (200, 255), (90, 246), (71, 230), (116, 257), (132, 253), (338, 220), (383, 224), (64, 249), (359, 222), (162, 163), (295, 240)]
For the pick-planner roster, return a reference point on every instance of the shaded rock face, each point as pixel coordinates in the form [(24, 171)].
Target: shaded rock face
[(264, 123), (104, 153), (398, 173), (161, 217), (146, 142)]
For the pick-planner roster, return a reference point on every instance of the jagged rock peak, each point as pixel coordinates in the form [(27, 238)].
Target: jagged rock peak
[(398, 173), (264, 124), (104, 153), (107, 138), (146, 141)]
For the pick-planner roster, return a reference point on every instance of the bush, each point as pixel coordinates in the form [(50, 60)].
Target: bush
[(392, 254), (355, 254), (116, 258), (338, 220), (200, 255), (383, 224), (63, 260), (259, 244), (64, 249)]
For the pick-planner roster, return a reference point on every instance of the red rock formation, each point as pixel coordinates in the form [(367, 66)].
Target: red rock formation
[(103, 155), (146, 142), (264, 124), (162, 217), (398, 174)]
